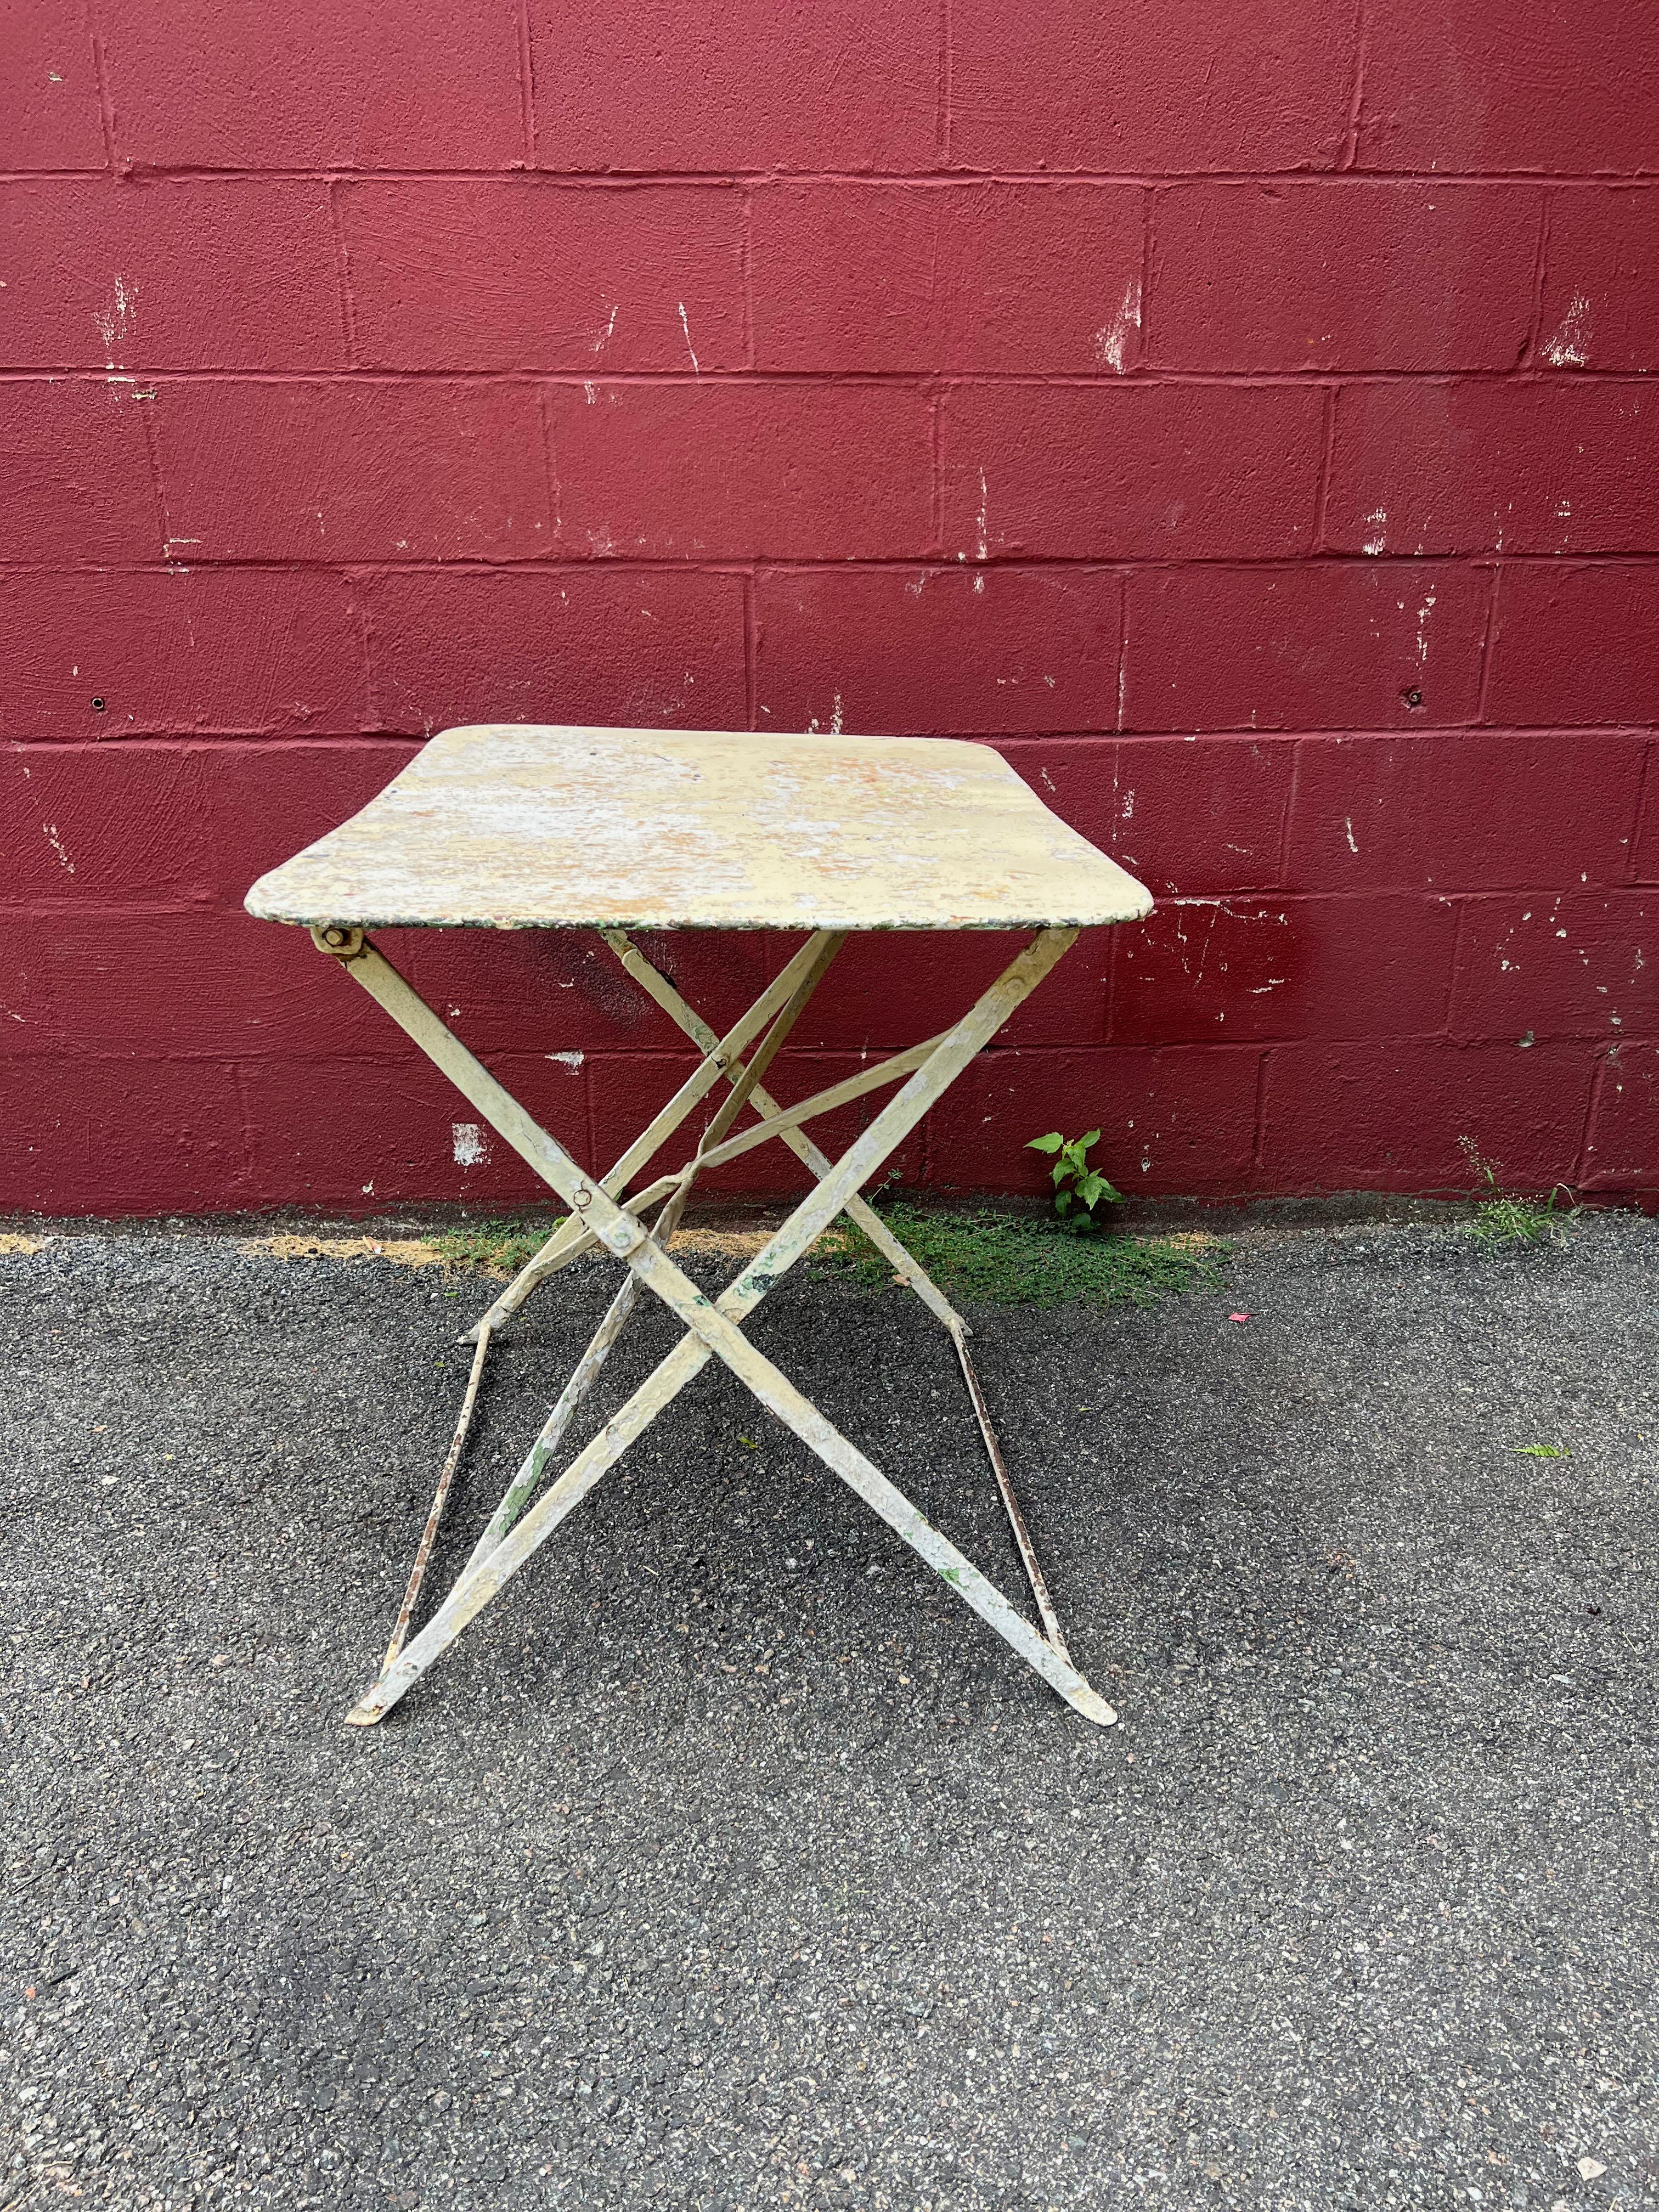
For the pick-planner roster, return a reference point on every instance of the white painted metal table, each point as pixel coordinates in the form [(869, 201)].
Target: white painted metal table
[(522, 827)]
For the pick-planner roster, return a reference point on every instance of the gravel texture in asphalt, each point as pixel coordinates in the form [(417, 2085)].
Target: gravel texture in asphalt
[(728, 1861)]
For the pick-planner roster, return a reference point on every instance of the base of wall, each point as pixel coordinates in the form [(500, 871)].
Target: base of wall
[(1139, 1217)]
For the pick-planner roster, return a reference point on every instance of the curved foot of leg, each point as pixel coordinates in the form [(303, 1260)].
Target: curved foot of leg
[(1092, 1706)]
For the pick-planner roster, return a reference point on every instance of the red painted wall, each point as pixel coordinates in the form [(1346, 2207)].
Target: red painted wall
[(1239, 415)]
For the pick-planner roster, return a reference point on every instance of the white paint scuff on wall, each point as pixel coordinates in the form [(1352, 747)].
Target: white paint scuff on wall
[(1377, 523), (689, 348), (1113, 337), (471, 1145), (571, 1059), (115, 327), (1569, 347)]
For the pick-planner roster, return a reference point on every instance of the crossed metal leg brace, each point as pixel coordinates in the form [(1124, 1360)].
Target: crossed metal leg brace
[(599, 1218)]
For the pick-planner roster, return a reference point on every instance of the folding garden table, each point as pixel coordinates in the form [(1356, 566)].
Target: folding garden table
[(508, 826)]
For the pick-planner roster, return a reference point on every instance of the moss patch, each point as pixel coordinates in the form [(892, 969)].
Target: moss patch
[(998, 1259)]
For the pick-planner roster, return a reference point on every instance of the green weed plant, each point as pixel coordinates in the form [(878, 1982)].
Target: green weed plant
[(1078, 1188), (1510, 1217), (505, 1245)]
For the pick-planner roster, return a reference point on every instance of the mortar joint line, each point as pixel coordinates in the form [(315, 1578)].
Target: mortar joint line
[(1259, 1113), (342, 273), (106, 98), (716, 179), (750, 647), (936, 481), (1122, 649), (1288, 812), (1527, 376), (1143, 305), (527, 81), (1632, 872), (1350, 157), (1489, 642), (1321, 546), (944, 119), (1540, 277), (1586, 1145), (746, 267)]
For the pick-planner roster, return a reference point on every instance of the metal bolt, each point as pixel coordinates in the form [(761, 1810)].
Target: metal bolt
[(582, 1196)]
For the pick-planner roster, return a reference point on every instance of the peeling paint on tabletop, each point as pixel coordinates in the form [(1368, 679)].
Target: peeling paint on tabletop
[(515, 826)]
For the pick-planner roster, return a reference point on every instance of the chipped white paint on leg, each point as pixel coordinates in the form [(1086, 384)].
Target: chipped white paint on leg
[(1112, 339)]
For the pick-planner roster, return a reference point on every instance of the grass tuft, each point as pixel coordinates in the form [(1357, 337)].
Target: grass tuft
[(1510, 1217), (1513, 1220), (1000, 1259), (500, 1246)]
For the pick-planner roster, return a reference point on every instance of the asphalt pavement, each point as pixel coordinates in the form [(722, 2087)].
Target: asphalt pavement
[(728, 1861)]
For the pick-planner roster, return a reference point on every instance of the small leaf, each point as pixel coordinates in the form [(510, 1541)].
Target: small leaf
[(1083, 1143), (1063, 1202), (1051, 1143)]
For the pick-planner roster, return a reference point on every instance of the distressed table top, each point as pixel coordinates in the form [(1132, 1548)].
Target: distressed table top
[(520, 826)]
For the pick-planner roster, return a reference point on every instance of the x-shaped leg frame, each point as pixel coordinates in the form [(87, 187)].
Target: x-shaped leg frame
[(599, 1218)]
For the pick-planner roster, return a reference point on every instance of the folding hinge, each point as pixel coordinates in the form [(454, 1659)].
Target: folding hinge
[(340, 941)]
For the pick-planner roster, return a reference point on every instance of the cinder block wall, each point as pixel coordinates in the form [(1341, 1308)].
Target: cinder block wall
[(1239, 415)]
